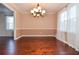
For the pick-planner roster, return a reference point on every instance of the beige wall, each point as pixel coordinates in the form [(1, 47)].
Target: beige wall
[(18, 24), (39, 25), (26, 24), (40, 32), (48, 21)]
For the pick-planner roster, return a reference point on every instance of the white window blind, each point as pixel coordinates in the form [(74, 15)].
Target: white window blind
[(72, 18), (9, 22), (63, 20), (68, 19)]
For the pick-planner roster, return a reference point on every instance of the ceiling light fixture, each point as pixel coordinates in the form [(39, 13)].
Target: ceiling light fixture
[(38, 11)]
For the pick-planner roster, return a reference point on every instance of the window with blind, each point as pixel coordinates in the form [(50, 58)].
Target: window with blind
[(68, 19), (63, 20), (72, 18), (9, 22)]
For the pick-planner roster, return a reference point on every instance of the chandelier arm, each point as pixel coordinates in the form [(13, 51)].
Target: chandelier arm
[(37, 11)]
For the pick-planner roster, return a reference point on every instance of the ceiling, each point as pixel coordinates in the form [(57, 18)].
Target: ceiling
[(4, 10), (51, 8)]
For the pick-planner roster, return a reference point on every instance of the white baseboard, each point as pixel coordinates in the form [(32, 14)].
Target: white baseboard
[(38, 35), (35, 36), (73, 46), (18, 37), (69, 44), (77, 49), (6, 36)]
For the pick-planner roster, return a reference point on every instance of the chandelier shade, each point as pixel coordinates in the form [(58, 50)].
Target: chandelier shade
[(38, 11)]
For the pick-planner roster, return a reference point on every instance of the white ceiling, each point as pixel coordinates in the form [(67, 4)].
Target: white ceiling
[(50, 8)]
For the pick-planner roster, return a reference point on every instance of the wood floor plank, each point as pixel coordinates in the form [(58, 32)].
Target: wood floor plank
[(35, 46)]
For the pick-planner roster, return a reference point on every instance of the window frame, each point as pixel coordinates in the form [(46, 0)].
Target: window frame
[(7, 25)]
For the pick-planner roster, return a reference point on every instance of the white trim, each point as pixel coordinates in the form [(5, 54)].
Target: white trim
[(14, 18), (77, 49), (69, 44), (35, 36), (8, 6), (18, 37), (72, 46), (34, 28), (6, 36)]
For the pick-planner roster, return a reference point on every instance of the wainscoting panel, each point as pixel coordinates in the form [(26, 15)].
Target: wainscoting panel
[(39, 32), (18, 33), (35, 32)]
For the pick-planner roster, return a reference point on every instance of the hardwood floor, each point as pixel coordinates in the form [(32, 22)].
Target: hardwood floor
[(35, 46)]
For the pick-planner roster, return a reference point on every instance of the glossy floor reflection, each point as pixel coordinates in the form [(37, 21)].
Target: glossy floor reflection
[(7, 45), (35, 46)]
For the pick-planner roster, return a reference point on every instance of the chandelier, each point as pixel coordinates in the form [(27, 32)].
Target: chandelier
[(38, 11)]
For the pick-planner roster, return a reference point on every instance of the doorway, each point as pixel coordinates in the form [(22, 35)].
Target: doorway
[(7, 22)]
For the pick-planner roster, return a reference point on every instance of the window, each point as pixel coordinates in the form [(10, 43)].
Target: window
[(72, 18), (63, 20), (9, 22), (68, 17)]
